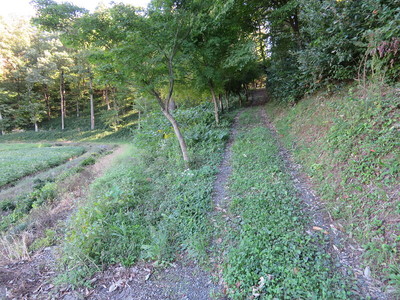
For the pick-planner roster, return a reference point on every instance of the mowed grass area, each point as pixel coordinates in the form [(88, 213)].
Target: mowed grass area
[(18, 160)]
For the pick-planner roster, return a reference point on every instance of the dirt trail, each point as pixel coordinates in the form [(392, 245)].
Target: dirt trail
[(25, 184), (31, 277), (220, 192), (342, 247), (182, 280)]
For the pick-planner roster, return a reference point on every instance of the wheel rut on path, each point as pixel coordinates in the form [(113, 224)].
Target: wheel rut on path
[(220, 191), (344, 249)]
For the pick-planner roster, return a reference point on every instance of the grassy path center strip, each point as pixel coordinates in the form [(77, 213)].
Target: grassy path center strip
[(271, 255)]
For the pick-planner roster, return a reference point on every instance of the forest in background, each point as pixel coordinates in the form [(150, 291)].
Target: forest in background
[(66, 61), (331, 70)]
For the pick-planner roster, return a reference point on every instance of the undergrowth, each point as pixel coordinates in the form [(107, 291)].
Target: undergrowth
[(349, 144), (148, 207), (269, 252)]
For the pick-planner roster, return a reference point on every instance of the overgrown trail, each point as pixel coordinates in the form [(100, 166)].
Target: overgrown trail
[(344, 249), (274, 238), (184, 279)]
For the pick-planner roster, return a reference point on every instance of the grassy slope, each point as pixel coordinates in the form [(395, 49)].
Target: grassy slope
[(270, 252), (348, 143), (148, 207)]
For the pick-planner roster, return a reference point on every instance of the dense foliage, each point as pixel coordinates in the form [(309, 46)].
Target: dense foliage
[(121, 53), (317, 43)]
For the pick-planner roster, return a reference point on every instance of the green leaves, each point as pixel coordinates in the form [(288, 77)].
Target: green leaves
[(56, 17)]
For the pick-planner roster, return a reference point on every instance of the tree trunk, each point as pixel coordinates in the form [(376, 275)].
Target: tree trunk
[(91, 104), (106, 98), (78, 100), (227, 100), (77, 108), (221, 104), (36, 127), (47, 100), (246, 93), (171, 105), (171, 119), (240, 99), (62, 96), (1, 118), (116, 109), (179, 135), (214, 99)]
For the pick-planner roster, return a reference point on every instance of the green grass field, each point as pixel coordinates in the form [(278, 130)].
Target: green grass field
[(18, 160)]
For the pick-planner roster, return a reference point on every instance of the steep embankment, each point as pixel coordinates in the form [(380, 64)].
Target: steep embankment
[(348, 143)]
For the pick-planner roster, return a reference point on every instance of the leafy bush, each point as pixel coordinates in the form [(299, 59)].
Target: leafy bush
[(335, 41)]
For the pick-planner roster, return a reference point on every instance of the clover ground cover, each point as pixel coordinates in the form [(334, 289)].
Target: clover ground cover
[(18, 160)]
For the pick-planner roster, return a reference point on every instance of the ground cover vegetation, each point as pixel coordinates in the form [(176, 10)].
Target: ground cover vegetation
[(349, 145), (148, 207), (103, 75), (18, 160), (270, 250)]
